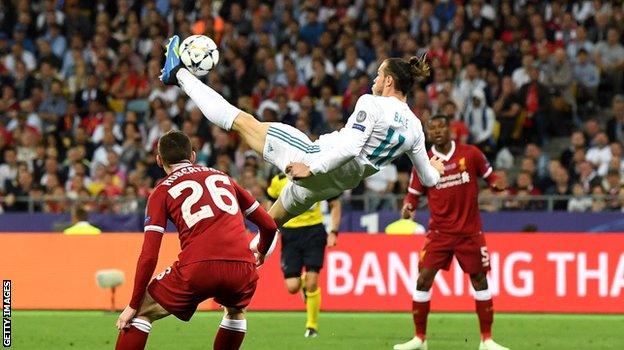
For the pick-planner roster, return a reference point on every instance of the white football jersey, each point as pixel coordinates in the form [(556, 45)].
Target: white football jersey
[(379, 130)]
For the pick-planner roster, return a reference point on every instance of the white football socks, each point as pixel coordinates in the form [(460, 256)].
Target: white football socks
[(234, 325), (141, 324), (214, 107)]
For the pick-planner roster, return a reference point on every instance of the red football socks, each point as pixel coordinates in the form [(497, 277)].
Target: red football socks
[(420, 311), (485, 310), (230, 335), (135, 337)]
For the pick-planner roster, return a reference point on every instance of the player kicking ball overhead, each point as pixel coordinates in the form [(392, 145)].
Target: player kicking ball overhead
[(381, 128), (208, 208), (454, 229)]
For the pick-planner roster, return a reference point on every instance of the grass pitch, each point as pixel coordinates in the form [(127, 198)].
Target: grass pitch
[(95, 330)]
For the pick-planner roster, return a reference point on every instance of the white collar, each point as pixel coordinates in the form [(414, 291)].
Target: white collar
[(177, 166), (444, 157)]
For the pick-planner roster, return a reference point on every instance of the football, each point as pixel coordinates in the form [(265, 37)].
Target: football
[(199, 54)]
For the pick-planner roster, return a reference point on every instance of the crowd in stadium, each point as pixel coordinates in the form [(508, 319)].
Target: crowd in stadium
[(82, 106)]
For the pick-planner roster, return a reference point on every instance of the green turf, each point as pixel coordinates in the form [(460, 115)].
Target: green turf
[(272, 330)]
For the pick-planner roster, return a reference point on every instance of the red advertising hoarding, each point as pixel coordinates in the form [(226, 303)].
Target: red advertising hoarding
[(530, 273)]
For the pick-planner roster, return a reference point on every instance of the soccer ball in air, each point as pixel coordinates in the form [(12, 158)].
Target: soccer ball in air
[(199, 54)]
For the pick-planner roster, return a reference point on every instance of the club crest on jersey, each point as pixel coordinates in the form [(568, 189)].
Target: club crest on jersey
[(360, 117), (462, 164), (359, 127)]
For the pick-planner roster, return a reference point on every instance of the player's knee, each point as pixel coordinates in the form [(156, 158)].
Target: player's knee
[(234, 313), (293, 285), (424, 281), (311, 282), (479, 281)]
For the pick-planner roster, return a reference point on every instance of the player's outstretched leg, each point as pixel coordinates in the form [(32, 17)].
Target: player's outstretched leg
[(135, 336), (231, 331), (485, 311), (421, 301), (214, 107)]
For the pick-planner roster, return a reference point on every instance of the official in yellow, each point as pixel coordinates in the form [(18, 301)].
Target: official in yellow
[(304, 239), (80, 225)]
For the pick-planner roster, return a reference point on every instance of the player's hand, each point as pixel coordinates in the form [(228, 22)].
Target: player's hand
[(259, 259), (298, 171), (408, 211), (437, 164), (332, 239), (126, 316)]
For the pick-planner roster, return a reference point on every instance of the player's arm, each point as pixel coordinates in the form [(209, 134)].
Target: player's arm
[(485, 171), (254, 212), (414, 191), (155, 224), (355, 135), (427, 170), (335, 212)]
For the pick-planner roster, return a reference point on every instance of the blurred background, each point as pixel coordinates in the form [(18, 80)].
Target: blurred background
[(81, 110), (82, 107)]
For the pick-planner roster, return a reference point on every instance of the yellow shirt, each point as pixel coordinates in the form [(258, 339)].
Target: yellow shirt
[(82, 228), (311, 217)]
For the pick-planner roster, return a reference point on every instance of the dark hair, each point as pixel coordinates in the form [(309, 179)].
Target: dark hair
[(406, 73), (80, 213), (174, 147), (443, 117)]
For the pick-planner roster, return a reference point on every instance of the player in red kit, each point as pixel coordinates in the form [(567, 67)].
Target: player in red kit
[(208, 209), (454, 229)]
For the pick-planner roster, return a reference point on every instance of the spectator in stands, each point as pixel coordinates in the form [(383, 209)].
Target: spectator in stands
[(609, 56), (507, 110), (524, 189), (600, 154), (587, 78), (17, 191), (534, 97), (468, 85), (580, 202), (480, 119), (561, 187), (577, 141), (599, 204), (8, 169), (615, 125), (581, 43), (612, 184)]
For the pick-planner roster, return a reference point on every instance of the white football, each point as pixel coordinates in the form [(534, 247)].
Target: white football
[(253, 245), (199, 54)]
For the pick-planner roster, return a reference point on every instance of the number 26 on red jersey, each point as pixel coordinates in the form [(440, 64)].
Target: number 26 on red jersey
[(197, 191)]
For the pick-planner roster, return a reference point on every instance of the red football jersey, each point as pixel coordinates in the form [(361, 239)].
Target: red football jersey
[(207, 208), (453, 202)]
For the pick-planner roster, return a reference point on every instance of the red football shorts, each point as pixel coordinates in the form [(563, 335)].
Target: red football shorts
[(470, 251), (179, 289)]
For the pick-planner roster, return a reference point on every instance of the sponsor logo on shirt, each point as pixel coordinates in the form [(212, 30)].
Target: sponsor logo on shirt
[(360, 117), (453, 180), (359, 127)]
